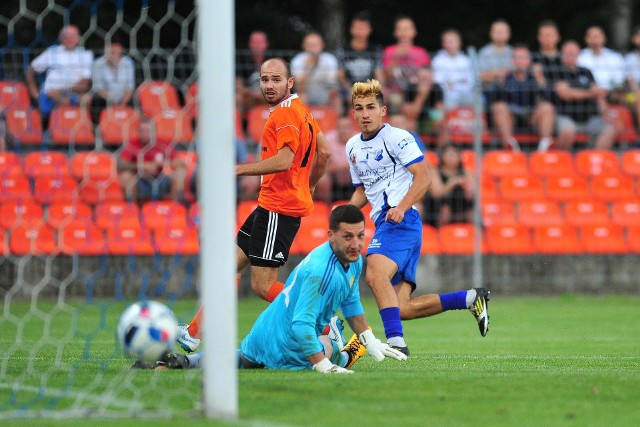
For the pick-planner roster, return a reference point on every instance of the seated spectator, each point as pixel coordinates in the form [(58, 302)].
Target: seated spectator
[(632, 73), (578, 98), (450, 197), (547, 58), (495, 58), (113, 78), (248, 63), (453, 72), (410, 89), (359, 60), (316, 73), (68, 73), (141, 167), (523, 100)]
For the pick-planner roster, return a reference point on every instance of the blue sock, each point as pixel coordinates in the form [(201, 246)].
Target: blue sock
[(391, 321), (454, 301)]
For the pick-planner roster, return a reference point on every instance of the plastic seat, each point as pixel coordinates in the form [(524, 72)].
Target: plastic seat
[(193, 215), (10, 164), (468, 158), (24, 126), (626, 213), (509, 239), (256, 119), (460, 124), (244, 209), (603, 239), (14, 94), (98, 166), (312, 233), (173, 126), (550, 163), (633, 238), (23, 212), (118, 125), (540, 212), (497, 212), (430, 240), (117, 214), (48, 189), (630, 162), (432, 159), (326, 117), (489, 187), (81, 237), (586, 212), (60, 213), (565, 188), (176, 240), (521, 188), (93, 191), (590, 163), (33, 240), (71, 125), (163, 214), (621, 117), (156, 96), (612, 188), (556, 239), (457, 239), (129, 241), (40, 164), (501, 163), (15, 188)]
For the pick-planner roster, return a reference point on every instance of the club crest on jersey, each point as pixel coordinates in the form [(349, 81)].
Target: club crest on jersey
[(378, 155)]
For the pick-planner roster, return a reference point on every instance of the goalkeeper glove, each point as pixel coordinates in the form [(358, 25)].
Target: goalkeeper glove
[(377, 349), (326, 367)]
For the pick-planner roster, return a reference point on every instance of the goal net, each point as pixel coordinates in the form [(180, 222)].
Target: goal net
[(76, 246)]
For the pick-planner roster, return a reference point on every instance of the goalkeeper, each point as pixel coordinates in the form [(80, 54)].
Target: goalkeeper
[(289, 333)]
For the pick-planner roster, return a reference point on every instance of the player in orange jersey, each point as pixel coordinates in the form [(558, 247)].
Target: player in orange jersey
[(294, 157)]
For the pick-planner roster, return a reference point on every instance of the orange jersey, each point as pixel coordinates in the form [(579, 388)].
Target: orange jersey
[(290, 124)]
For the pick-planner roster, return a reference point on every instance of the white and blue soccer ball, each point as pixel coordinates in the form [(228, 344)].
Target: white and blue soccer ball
[(147, 330)]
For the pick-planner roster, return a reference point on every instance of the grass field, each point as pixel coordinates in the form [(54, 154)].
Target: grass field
[(569, 360)]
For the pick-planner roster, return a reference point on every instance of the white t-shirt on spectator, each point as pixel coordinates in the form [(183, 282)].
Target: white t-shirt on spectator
[(320, 79), (64, 67), (607, 67), (632, 66), (454, 74)]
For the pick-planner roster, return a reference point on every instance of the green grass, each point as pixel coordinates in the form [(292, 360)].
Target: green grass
[(569, 360)]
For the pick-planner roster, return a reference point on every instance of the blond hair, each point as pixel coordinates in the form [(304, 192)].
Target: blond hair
[(371, 87)]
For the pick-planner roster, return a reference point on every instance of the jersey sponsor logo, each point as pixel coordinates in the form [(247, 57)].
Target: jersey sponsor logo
[(375, 243), (351, 280)]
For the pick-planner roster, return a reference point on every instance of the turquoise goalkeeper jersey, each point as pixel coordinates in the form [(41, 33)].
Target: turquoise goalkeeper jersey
[(287, 331)]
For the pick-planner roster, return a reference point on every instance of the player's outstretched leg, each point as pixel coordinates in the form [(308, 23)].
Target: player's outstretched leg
[(173, 361), (480, 309), (186, 341), (335, 332)]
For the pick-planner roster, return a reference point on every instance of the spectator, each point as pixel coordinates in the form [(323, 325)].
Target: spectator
[(359, 60), (548, 57), (141, 167), (68, 73), (113, 77), (632, 71), (524, 100), (409, 82), (577, 104), (606, 65), (453, 72), (316, 73), (248, 70), (450, 198), (495, 58)]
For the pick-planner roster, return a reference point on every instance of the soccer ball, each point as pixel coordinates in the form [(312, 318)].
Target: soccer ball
[(147, 330)]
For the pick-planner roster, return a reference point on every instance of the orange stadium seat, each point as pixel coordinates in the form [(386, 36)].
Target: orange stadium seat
[(564, 188), (556, 239), (520, 188), (156, 96), (501, 163), (312, 233), (430, 240), (129, 241), (612, 188), (81, 237), (626, 213), (14, 94), (96, 165), (24, 126), (33, 240), (118, 125), (4, 248), (460, 124), (94, 191), (10, 164), (117, 214), (244, 209), (489, 188), (193, 215), (49, 189), (457, 239), (468, 158), (432, 159), (60, 213), (40, 164), (20, 212), (586, 212), (497, 212), (633, 238), (621, 117), (163, 214), (176, 240), (603, 239), (326, 117), (630, 162), (191, 101), (69, 125), (551, 163), (173, 126), (14, 188), (509, 239), (540, 212), (590, 163), (256, 119)]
